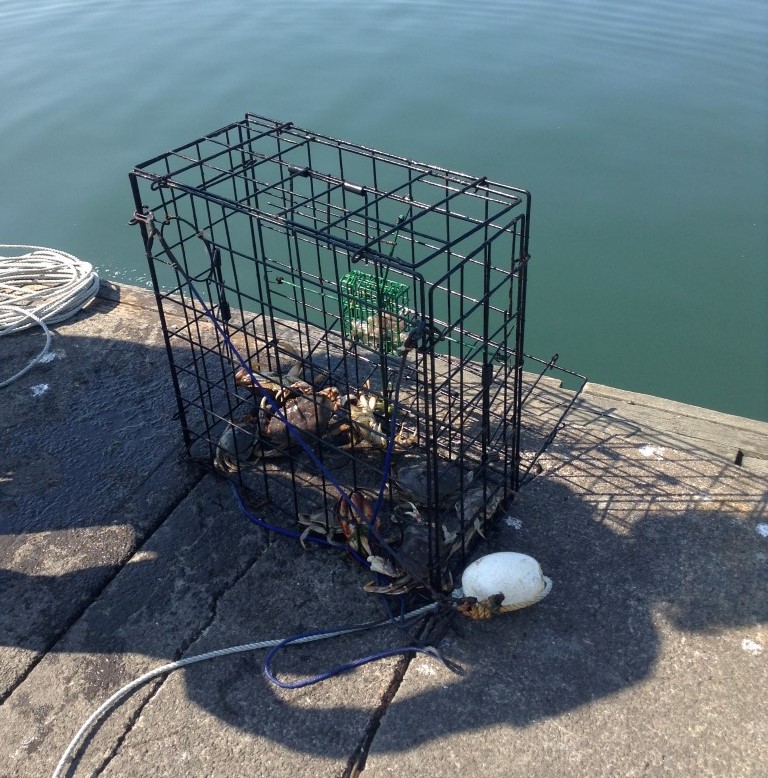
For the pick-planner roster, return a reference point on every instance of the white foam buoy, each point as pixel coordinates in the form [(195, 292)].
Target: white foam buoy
[(517, 576)]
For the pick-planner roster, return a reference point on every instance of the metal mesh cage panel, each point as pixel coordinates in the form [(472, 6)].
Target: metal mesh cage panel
[(345, 333)]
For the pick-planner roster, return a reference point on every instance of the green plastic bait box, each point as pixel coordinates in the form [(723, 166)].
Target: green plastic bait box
[(373, 310)]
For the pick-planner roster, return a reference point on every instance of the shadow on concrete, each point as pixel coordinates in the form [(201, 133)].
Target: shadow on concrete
[(87, 471), (633, 530), (642, 535), (678, 550)]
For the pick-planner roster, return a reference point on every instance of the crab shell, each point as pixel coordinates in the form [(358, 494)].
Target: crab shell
[(236, 444), (413, 554), (385, 326), (308, 414), (410, 566), (451, 479)]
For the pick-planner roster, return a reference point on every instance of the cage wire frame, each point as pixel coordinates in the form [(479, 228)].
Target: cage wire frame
[(394, 289)]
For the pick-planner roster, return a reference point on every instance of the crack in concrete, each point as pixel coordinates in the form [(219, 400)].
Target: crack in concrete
[(356, 762), (94, 596), (159, 683), (430, 632)]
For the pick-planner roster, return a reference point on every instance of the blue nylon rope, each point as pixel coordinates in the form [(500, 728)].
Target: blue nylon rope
[(346, 667), (290, 533), (292, 429), (428, 650)]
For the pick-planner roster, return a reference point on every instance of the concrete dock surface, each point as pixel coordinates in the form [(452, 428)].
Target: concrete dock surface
[(649, 657)]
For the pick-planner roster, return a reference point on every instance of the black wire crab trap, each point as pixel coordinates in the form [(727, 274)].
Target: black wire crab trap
[(345, 334)]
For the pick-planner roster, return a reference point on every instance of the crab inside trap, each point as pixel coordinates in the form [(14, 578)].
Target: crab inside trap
[(345, 331)]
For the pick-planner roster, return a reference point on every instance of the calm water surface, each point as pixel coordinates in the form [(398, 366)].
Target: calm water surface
[(640, 128)]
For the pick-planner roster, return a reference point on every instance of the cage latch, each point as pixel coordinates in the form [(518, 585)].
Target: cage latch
[(295, 170), (142, 217)]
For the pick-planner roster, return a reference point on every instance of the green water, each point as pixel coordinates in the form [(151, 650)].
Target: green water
[(641, 130)]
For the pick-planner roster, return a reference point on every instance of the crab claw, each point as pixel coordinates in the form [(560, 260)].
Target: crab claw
[(355, 514), (360, 422), (402, 585), (357, 508), (378, 564), (413, 513)]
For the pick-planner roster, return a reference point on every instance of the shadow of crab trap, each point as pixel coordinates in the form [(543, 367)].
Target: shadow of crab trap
[(345, 335)]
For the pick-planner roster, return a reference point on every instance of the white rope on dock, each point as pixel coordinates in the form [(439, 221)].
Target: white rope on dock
[(41, 286)]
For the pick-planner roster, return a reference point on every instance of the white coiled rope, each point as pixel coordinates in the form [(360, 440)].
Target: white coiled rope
[(41, 286)]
